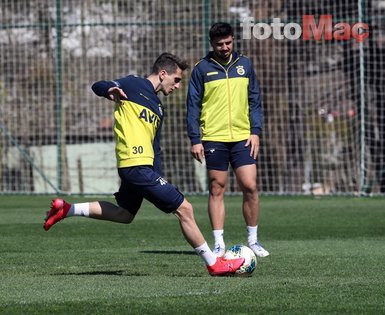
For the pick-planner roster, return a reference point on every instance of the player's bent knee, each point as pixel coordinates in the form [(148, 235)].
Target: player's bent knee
[(127, 220), (185, 211), (125, 217)]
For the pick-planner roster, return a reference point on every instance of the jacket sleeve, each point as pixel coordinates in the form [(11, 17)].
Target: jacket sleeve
[(255, 104), (101, 88), (194, 106)]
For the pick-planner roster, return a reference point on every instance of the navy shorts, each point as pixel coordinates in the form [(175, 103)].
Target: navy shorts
[(219, 155), (142, 182)]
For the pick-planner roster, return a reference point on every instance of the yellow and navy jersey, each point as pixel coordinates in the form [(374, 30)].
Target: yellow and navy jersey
[(223, 101), (138, 121)]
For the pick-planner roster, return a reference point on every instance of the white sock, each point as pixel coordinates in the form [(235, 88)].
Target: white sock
[(79, 209), (252, 234), (206, 254), (218, 238)]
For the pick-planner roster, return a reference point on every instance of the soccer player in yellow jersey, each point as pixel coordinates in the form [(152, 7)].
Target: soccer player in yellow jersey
[(224, 120), (138, 121)]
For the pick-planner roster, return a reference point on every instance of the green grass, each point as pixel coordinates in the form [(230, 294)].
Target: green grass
[(327, 257)]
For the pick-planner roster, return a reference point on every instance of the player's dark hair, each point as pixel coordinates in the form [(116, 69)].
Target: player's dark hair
[(168, 62), (220, 29)]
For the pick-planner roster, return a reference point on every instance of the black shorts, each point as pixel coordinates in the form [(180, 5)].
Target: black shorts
[(219, 155), (142, 182)]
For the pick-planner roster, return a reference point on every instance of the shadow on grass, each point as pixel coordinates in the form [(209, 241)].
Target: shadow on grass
[(122, 273), (93, 273), (168, 252)]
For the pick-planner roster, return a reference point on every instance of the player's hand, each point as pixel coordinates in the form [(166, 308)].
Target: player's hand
[(116, 94), (254, 142), (198, 152)]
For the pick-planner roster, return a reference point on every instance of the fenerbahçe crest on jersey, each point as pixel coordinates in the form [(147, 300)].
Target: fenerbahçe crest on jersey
[(138, 122)]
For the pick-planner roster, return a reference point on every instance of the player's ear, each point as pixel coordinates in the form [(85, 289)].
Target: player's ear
[(162, 74)]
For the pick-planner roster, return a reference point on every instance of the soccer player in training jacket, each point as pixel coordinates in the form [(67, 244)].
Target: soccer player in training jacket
[(224, 119), (138, 121)]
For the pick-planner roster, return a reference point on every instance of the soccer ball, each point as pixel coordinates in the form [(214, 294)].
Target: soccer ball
[(242, 251)]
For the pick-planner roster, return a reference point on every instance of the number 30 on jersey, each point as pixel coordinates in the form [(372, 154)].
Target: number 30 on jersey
[(137, 149)]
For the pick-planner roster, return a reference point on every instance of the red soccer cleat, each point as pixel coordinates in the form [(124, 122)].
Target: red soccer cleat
[(225, 267), (59, 210)]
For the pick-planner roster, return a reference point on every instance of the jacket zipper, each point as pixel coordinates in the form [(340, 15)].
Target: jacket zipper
[(228, 91)]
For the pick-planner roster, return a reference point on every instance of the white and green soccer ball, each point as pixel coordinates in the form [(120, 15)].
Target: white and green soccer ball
[(242, 251)]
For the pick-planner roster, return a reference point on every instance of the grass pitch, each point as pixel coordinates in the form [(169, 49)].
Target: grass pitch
[(327, 257)]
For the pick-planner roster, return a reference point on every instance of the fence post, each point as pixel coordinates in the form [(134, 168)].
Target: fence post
[(362, 189), (207, 27), (59, 114)]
